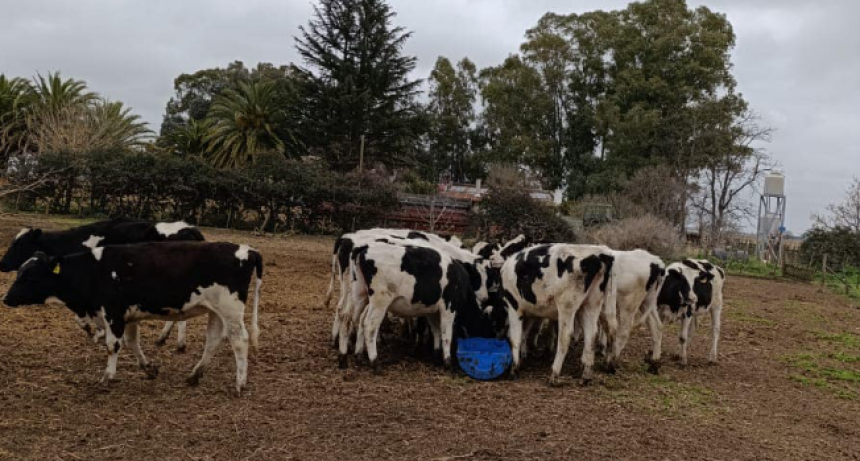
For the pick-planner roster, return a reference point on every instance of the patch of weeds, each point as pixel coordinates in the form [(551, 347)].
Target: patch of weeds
[(661, 394), (827, 371), (844, 339), (750, 318)]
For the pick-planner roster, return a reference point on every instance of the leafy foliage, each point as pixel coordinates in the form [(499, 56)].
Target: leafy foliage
[(357, 83), (274, 192), (841, 244), (508, 212), (242, 125)]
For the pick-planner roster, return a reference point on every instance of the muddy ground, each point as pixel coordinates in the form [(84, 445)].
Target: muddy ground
[(786, 387)]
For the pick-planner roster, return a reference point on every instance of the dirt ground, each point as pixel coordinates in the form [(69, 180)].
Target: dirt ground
[(787, 387)]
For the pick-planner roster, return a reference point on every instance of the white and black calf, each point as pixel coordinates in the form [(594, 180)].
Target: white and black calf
[(124, 284), (414, 281), (99, 234), (557, 282), (638, 277), (692, 287), (345, 244)]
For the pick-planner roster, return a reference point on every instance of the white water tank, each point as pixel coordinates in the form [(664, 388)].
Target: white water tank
[(774, 184)]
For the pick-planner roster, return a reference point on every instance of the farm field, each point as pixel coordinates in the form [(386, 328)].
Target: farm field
[(787, 387)]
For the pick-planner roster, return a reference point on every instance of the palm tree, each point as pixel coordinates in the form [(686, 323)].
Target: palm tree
[(15, 102), (189, 138), (52, 93), (243, 125), (116, 126)]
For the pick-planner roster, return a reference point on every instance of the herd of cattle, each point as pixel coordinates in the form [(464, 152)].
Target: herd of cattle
[(588, 292), (113, 274)]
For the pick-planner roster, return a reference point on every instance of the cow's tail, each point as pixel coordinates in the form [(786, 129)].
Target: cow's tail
[(610, 304), (334, 272), (258, 282)]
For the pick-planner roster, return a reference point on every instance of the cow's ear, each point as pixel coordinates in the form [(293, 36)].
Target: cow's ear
[(55, 264), (705, 277)]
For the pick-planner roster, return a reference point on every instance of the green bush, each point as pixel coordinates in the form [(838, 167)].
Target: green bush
[(273, 193), (507, 212)]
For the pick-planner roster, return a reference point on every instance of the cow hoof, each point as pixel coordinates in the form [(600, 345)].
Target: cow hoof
[(342, 361), (513, 374), (106, 380), (180, 349), (712, 363), (236, 392), (654, 367), (554, 381), (160, 342), (586, 382), (151, 371), (193, 380), (610, 368), (377, 368)]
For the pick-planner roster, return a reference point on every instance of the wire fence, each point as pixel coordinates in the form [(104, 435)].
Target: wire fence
[(809, 266)]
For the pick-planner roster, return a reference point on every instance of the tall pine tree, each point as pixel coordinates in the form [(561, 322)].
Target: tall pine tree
[(356, 82)]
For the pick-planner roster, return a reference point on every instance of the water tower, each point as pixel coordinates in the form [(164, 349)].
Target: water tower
[(771, 219)]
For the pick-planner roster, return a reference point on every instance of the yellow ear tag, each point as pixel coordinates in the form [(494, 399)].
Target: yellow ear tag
[(57, 269)]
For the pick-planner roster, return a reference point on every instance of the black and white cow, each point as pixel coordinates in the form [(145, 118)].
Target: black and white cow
[(340, 264), (692, 288), (411, 280), (99, 234), (511, 247), (557, 281), (486, 249), (346, 243), (638, 277), (483, 280), (124, 284)]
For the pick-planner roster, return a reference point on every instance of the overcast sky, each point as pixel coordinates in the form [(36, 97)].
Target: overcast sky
[(796, 61)]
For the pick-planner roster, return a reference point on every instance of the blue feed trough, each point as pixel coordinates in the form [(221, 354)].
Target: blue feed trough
[(483, 358)]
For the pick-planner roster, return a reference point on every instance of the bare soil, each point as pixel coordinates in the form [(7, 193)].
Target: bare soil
[(786, 387)]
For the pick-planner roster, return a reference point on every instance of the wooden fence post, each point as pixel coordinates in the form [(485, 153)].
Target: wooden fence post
[(824, 270)]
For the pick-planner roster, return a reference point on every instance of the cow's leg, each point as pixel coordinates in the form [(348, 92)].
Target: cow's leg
[(165, 333), (132, 340), (238, 337), (113, 341), (684, 337), (528, 325), (181, 328), (565, 333), (85, 325), (716, 311), (590, 316), (376, 311), (214, 336), (433, 322), (335, 329), (625, 324), (655, 326), (358, 325), (446, 332), (515, 337)]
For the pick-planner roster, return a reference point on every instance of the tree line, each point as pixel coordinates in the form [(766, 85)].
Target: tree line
[(591, 103)]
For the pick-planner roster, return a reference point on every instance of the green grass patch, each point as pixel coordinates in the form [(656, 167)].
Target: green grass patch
[(829, 371), (843, 339), (749, 318), (661, 394)]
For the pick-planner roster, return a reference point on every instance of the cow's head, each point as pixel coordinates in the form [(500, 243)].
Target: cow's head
[(25, 245), (703, 288), (38, 280), (677, 291)]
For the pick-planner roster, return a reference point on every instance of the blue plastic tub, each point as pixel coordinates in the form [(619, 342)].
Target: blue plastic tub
[(483, 358)]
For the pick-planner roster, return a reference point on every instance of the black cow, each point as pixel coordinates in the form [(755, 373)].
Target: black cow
[(123, 284), (110, 232)]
